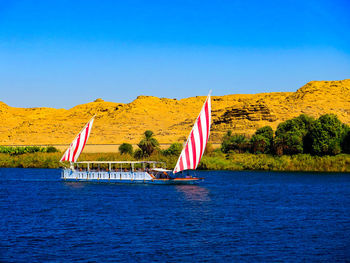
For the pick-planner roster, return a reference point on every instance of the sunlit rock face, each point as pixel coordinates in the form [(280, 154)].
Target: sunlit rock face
[(171, 119)]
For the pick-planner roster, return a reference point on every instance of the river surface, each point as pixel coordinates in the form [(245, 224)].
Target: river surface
[(229, 217)]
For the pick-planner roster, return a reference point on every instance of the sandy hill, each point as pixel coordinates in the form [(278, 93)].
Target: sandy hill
[(171, 119)]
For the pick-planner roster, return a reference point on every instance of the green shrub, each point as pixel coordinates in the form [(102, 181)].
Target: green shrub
[(138, 154), (291, 136), (327, 134), (51, 149), (234, 142), (174, 149), (125, 148), (345, 143), (261, 141)]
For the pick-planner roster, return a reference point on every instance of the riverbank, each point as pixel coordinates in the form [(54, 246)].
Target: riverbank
[(214, 161), (266, 162)]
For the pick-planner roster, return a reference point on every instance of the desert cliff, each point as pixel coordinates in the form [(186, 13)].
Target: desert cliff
[(171, 119)]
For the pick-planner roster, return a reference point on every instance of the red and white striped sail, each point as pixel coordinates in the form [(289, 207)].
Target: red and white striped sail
[(197, 140), (78, 144)]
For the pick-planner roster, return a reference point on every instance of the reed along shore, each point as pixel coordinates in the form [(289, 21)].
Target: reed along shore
[(213, 161)]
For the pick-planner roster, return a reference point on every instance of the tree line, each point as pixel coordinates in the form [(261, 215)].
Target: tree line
[(149, 145), (326, 135)]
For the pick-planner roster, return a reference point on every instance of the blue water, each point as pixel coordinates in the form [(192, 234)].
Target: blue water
[(231, 216)]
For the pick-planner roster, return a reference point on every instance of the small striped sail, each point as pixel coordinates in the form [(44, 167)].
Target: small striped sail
[(197, 140), (78, 144)]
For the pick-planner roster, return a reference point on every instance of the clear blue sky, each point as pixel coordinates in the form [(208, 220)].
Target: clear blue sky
[(63, 53)]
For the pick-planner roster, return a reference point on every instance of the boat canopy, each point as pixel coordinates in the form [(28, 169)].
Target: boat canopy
[(121, 162), (132, 164)]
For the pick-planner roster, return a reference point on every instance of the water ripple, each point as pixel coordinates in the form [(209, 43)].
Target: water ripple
[(231, 216)]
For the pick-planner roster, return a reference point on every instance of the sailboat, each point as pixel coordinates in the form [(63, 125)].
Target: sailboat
[(149, 172)]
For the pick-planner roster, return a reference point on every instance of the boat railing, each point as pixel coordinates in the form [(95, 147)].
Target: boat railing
[(117, 166), (105, 175)]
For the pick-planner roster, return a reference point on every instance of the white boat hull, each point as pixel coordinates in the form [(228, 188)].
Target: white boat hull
[(120, 177)]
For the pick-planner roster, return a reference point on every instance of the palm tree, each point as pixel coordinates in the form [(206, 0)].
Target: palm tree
[(148, 143)]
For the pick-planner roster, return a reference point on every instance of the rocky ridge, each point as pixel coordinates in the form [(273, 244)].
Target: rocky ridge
[(171, 119)]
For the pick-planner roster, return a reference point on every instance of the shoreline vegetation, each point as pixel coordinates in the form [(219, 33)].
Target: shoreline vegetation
[(214, 161), (299, 144)]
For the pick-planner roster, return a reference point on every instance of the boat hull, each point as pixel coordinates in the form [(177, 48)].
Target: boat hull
[(154, 181), (121, 178)]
